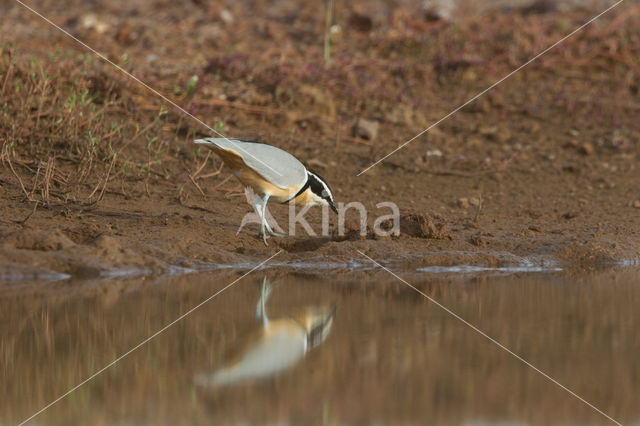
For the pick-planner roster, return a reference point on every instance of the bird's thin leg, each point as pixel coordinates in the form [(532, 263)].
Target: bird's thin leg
[(261, 208), (261, 309), (258, 206), (266, 222), (271, 231), (263, 221)]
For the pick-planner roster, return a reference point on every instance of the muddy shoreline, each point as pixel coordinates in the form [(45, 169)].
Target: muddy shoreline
[(171, 244)]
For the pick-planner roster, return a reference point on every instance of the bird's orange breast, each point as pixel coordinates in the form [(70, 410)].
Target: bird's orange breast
[(251, 178)]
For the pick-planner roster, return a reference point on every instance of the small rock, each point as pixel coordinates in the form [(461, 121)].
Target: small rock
[(481, 105), (497, 100), (572, 144), (366, 129), (475, 202), (487, 130), (571, 169), (495, 133), (226, 17), (437, 11), (463, 203), (386, 225), (619, 142), (503, 135), (360, 22), (477, 240), (126, 34), (587, 149), (539, 7), (534, 127), (91, 21), (636, 204)]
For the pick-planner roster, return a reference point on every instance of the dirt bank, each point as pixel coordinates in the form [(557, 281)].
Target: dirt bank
[(98, 177)]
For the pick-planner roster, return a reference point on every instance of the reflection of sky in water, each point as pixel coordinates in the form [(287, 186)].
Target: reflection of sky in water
[(393, 357), (467, 269), (275, 345)]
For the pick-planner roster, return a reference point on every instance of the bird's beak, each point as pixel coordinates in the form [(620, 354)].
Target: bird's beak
[(333, 207)]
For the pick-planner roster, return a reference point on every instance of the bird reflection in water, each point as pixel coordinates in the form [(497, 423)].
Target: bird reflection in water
[(276, 345)]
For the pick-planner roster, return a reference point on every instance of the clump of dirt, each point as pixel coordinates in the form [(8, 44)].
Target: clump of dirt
[(421, 226), (353, 230), (590, 253), (36, 239)]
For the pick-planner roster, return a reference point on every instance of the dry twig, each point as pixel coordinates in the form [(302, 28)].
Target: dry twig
[(23, 221), (196, 184)]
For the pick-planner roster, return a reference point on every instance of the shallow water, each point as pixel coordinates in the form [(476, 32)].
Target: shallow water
[(351, 347)]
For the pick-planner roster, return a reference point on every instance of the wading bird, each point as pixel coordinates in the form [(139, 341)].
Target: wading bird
[(272, 174)]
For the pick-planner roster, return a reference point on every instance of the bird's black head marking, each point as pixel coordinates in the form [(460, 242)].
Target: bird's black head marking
[(321, 188)]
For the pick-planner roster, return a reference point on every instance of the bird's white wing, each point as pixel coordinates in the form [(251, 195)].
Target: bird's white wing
[(275, 165), (275, 351)]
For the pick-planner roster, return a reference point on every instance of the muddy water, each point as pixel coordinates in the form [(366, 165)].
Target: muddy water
[(353, 347)]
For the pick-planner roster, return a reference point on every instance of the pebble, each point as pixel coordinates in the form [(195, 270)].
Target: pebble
[(92, 22), (463, 203), (480, 105), (495, 133), (534, 127), (226, 17), (503, 135), (366, 129), (488, 130), (587, 149), (636, 204)]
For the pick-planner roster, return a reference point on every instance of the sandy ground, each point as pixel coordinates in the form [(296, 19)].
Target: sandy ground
[(542, 169)]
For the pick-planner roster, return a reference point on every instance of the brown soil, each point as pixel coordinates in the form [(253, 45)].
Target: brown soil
[(96, 177)]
